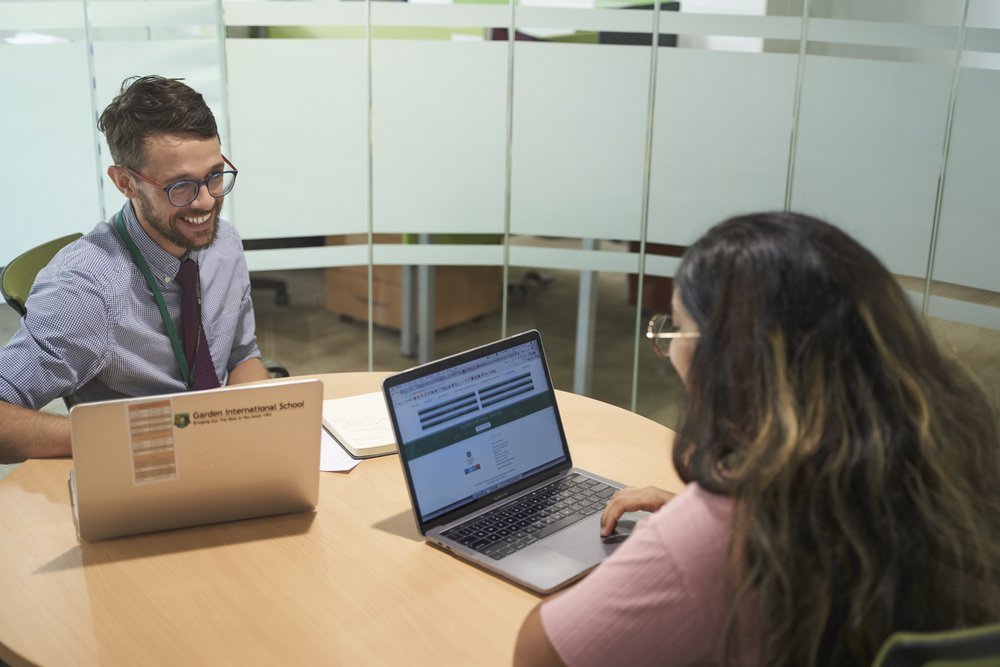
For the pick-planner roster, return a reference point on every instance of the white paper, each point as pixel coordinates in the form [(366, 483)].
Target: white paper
[(333, 457)]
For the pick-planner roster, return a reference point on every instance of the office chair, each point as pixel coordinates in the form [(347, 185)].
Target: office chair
[(965, 647), (19, 275)]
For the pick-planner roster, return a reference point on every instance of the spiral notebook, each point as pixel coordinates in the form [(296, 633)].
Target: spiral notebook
[(360, 424)]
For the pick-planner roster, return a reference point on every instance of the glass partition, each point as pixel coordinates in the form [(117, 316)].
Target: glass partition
[(868, 155), (44, 72), (969, 233), (302, 146), (178, 39), (424, 177), (62, 63)]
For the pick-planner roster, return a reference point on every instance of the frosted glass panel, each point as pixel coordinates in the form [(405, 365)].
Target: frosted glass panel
[(721, 139), (40, 15), (194, 60), (968, 249), (288, 13), (911, 12), (179, 15), (307, 258), (984, 14), (298, 123), (566, 258), (439, 14), (437, 254), (884, 34), (439, 130), (869, 153), (47, 175), (579, 138), (982, 36), (572, 20), (57, 109)]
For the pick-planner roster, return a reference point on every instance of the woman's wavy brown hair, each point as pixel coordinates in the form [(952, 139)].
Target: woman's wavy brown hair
[(865, 464)]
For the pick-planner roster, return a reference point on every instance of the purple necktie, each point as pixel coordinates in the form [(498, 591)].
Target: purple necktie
[(199, 358)]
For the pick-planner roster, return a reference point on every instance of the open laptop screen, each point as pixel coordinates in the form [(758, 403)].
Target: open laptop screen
[(473, 425)]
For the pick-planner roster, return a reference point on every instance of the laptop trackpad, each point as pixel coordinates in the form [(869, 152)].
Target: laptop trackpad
[(581, 542), (543, 568)]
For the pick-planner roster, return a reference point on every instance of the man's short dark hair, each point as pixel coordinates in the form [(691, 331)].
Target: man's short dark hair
[(152, 105)]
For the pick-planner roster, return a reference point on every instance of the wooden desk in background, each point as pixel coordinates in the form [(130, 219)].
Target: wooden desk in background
[(351, 584)]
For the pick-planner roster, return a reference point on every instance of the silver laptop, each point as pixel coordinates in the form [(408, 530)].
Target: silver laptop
[(148, 464), (488, 467)]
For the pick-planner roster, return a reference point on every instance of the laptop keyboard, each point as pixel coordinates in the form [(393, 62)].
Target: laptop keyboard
[(524, 521)]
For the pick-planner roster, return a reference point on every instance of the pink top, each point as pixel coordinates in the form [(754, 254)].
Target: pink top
[(660, 598)]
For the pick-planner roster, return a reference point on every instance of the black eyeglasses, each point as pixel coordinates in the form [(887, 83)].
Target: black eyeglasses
[(661, 329), (182, 193)]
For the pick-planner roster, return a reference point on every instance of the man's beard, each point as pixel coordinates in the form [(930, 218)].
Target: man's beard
[(170, 232)]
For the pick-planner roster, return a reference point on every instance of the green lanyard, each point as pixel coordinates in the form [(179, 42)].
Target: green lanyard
[(140, 261)]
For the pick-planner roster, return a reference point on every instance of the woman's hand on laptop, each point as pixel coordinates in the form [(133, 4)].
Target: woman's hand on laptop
[(648, 498)]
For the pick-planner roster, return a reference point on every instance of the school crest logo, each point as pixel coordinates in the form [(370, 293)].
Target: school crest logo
[(182, 420)]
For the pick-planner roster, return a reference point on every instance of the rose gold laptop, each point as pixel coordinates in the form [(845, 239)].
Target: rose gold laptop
[(172, 461)]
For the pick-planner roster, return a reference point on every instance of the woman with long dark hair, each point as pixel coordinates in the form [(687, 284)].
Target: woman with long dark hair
[(842, 473)]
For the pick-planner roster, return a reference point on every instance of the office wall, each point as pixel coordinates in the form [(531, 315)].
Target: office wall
[(570, 148)]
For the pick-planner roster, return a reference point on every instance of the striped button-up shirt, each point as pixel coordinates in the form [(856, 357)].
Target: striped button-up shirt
[(93, 328)]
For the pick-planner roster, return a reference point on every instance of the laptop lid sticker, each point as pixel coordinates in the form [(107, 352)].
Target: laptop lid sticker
[(151, 435)]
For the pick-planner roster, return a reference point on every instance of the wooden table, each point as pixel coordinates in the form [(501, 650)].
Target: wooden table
[(352, 584)]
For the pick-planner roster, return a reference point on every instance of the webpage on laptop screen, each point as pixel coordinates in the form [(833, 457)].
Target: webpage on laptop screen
[(471, 429)]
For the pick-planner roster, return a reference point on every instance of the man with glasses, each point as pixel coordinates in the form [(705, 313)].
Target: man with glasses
[(106, 316)]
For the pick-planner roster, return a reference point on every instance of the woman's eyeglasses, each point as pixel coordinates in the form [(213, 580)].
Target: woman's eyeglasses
[(661, 329)]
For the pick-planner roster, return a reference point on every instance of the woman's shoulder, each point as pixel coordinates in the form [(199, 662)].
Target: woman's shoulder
[(695, 509), (693, 531)]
